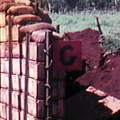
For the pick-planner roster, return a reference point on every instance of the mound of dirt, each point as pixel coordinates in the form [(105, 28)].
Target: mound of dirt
[(106, 77), (90, 46), (84, 105)]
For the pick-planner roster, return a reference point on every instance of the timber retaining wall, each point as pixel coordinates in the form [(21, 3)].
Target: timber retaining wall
[(36, 89)]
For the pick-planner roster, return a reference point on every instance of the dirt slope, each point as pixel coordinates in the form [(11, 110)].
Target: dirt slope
[(84, 105)]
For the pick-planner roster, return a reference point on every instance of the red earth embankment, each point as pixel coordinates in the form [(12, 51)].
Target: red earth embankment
[(84, 105)]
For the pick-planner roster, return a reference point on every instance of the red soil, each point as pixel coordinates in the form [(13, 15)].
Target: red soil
[(90, 45), (83, 105)]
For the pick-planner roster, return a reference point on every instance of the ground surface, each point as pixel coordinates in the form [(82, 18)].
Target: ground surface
[(84, 105)]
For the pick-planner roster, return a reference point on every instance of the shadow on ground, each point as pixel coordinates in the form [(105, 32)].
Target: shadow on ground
[(85, 106)]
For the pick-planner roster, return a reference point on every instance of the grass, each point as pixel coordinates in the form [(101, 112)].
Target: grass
[(109, 22)]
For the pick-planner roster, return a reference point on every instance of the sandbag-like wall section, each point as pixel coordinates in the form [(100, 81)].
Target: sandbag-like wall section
[(36, 88)]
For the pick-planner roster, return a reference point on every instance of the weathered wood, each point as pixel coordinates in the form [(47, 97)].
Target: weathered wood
[(15, 32), (5, 97), (98, 24), (2, 34), (19, 114), (58, 28), (15, 65), (10, 67), (26, 75), (29, 117), (5, 50), (2, 19), (35, 87), (40, 52), (58, 74), (36, 51), (54, 86), (5, 35), (54, 107), (35, 107), (36, 70), (61, 89), (61, 111), (48, 74), (40, 108), (3, 111), (15, 113)]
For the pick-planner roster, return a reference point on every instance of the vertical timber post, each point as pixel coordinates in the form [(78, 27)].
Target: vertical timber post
[(26, 75), (10, 67), (58, 28), (48, 74), (0, 63)]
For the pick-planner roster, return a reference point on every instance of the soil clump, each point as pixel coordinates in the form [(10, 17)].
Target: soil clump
[(105, 78)]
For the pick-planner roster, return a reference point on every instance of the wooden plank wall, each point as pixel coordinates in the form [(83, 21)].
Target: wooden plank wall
[(36, 93)]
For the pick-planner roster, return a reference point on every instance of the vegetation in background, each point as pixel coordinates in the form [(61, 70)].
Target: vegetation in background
[(78, 21), (68, 5)]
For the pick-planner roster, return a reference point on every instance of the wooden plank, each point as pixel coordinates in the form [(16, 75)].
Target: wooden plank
[(15, 81), (26, 75), (54, 107), (10, 66), (18, 115), (36, 70), (36, 51), (5, 49), (15, 32), (29, 117), (5, 34), (61, 89), (40, 109), (15, 114), (2, 34), (58, 74), (54, 86), (61, 108), (35, 87), (5, 97), (34, 107), (2, 19), (15, 65), (31, 104), (40, 90), (40, 52), (3, 111)]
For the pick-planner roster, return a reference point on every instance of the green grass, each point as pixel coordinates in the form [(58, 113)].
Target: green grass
[(71, 22)]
